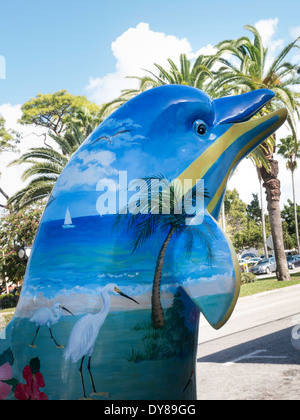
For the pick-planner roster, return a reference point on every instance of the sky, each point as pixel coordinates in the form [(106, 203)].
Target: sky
[(89, 47)]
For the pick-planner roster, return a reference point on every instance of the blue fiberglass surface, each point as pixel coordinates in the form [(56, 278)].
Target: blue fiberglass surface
[(114, 288)]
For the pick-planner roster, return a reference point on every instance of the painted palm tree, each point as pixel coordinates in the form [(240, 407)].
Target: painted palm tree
[(166, 213), (290, 150), (251, 73)]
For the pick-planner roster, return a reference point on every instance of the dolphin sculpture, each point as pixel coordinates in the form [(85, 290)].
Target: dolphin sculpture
[(175, 264)]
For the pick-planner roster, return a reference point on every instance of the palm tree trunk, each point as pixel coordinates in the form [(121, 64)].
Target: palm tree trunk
[(295, 211), (157, 316), (263, 220), (272, 186)]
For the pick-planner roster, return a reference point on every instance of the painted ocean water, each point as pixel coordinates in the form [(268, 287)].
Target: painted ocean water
[(70, 267)]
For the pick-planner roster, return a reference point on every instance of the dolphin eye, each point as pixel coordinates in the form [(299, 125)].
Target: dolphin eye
[(200, 127)]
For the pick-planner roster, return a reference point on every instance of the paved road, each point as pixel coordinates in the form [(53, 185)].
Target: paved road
[(252, 357)]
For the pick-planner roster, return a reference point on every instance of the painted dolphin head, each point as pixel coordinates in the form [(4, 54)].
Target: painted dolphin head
[(173, 130), (183, 134)]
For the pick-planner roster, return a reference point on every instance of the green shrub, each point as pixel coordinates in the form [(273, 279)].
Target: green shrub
[(248, 278), (9, 301)]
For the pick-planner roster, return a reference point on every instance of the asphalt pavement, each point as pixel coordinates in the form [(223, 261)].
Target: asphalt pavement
[(256, 355)]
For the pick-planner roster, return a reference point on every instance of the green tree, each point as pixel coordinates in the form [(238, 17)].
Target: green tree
[(152, 218), (243, 222), (57, 112), (199, 75), (289, 149), (254, 210), (249, 74), (8, 143), (17, 229), (5, 137), (289, 222), (46, 165)]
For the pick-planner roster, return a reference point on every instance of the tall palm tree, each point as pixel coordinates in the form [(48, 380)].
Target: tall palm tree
[(249, 74), (291, 153), (161, 214)]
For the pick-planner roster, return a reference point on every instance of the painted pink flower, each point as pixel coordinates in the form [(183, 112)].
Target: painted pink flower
[(5, 375), (31, 390)]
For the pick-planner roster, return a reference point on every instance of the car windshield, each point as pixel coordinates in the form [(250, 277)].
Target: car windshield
[(265, 261)]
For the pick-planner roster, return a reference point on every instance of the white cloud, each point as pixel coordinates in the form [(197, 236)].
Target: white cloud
[(10, 179), (295, 32), (136, 49), (267, 29)]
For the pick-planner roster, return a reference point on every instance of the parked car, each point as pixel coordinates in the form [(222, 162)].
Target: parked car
[(248, 256), (265, 266), (293, 261), (254, 261)]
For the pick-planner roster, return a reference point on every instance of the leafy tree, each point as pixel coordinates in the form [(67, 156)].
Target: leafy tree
[(17, 229), (57, 112), (5, 137), (289, 222), (243, 222), (250, 74), (289, 149), (8, 142), (254, 210), (46, 165)]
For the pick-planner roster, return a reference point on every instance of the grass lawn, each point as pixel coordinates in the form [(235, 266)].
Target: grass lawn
[(267, 285)]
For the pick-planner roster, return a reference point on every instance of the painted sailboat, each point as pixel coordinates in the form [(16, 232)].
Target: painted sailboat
[(68, 221)]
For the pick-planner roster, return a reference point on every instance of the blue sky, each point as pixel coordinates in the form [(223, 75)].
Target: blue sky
[(61, 44), (89, 47)]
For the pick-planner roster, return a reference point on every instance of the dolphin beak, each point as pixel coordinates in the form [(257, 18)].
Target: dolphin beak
[(238, 111), (243, 133), (241, 108)]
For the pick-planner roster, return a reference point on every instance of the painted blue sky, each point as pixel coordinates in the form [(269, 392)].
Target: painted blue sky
[(89, 47)]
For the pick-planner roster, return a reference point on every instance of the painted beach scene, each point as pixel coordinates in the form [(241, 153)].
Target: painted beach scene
[(86, 314)]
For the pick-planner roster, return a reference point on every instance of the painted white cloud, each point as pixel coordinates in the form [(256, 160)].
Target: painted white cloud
[(136, 49)]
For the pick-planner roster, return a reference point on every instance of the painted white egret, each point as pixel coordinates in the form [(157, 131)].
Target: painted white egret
[(47, 317), (85, 332)]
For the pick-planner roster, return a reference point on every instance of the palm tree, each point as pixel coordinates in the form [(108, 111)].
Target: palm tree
[(196, 75), (291, 153), (250, 74), (161, 214), (199, 75), (46, 165)]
